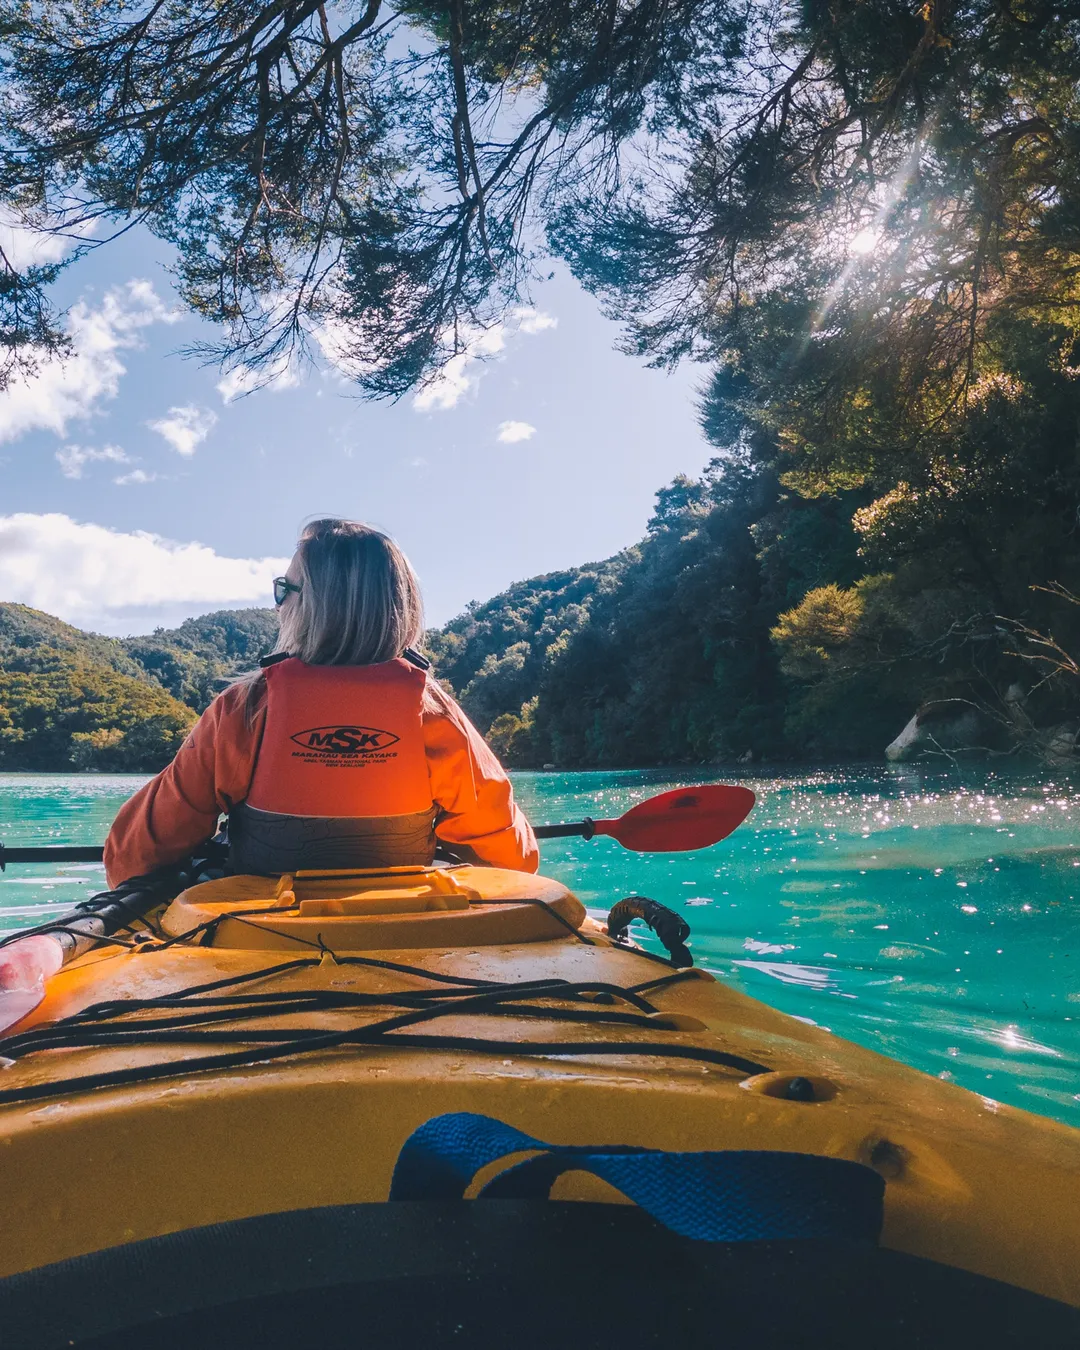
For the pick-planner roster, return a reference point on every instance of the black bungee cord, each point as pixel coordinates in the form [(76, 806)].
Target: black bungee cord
[(99, 1025), (90, 1028)]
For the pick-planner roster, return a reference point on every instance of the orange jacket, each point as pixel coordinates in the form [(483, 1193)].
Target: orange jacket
[(214, 768)]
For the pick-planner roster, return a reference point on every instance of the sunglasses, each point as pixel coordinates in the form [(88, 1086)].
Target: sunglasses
[(282, 587)]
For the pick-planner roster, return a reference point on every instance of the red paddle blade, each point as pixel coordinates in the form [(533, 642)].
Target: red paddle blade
[(686, 818)]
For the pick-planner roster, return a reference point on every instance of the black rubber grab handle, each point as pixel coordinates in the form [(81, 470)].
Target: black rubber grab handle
[(671, 928)]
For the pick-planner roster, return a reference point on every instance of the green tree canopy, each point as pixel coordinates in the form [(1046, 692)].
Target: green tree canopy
[(366, 175), (844, 195), (75, 714)]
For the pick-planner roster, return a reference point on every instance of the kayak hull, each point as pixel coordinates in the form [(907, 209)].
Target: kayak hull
[(970, 1183)]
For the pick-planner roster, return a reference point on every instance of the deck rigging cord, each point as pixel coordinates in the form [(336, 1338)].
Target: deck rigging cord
[(370, 1036), (112, 1023), (286, 1003)]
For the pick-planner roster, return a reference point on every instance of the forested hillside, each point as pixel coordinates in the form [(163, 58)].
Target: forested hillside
[(193, 661), (496, 655), (668, 657), (778, 613), (74, 700)]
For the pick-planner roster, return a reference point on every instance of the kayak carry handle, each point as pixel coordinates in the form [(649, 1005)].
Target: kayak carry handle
[(731, 1195)]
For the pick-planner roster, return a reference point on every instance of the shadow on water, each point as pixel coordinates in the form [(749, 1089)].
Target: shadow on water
[(933, 916)]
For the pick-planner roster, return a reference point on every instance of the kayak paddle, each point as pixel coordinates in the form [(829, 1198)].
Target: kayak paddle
[(29, 958), (673, 822)]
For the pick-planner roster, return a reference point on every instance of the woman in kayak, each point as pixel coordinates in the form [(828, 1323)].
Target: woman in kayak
[(342, 751)]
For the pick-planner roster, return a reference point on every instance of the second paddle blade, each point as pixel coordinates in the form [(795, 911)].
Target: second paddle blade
[(25, 965), (686, 818)]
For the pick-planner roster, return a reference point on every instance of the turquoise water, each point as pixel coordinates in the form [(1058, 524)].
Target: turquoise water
[(934, 917)]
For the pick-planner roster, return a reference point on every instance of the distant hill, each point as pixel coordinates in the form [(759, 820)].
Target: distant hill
[(495, 656), (194, 661), (70, 699), (30, 639)]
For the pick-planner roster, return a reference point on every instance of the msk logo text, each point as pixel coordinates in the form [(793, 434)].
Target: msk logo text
[(344, 740)]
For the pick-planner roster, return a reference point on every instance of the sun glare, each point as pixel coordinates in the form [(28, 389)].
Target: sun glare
[(864, 242)]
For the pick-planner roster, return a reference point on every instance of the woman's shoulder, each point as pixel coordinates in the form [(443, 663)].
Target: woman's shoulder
[(241, 698), (439, 699)]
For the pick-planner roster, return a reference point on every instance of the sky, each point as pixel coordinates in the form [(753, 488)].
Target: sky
[(138, 487)]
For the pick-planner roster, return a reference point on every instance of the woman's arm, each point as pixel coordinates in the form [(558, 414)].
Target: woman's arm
[(179, 808), (479, 818)]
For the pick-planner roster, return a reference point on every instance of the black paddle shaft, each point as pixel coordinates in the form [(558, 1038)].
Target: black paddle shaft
[(48, 853), (585, 828)]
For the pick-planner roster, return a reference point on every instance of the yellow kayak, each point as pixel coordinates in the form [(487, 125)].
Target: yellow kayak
[(223, 1130)]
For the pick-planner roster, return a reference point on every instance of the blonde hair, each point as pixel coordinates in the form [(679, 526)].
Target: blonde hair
[(359, 602)]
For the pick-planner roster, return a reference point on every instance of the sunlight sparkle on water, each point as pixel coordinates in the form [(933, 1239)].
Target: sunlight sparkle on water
[(916, 912)]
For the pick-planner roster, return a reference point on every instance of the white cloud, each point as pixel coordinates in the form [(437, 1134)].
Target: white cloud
[(512, 432), (335, 340), (533, 320), (451, 384), (461, 374), (30, 239), (185, 428), (26, 247), (61, 390), (73, 458), (448, 387), (119, 582), (241, 380), (458, 377), (135, 476)]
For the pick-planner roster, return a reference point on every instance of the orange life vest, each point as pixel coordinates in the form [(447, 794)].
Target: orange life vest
[(342, 741), (341, 776)]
